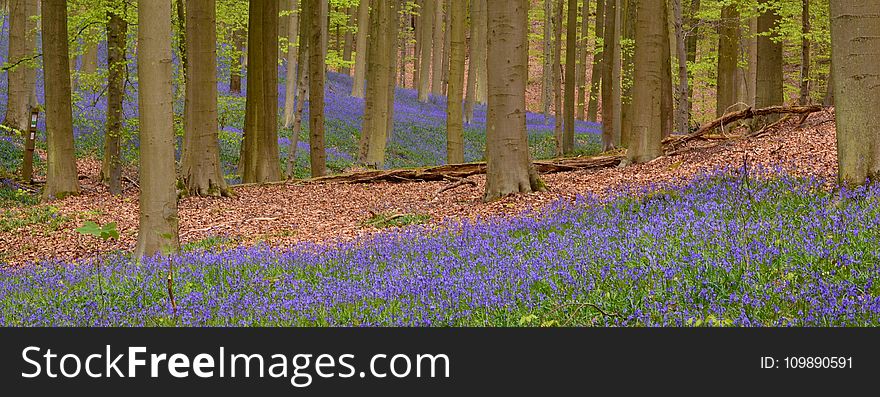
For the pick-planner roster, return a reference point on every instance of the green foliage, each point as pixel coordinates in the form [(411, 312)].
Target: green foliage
[(104, 232), (49, 217)]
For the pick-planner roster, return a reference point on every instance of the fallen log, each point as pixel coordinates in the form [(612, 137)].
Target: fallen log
[(461, 171), (748, 113)]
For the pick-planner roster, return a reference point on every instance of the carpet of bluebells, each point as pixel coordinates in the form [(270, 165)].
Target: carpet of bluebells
[(722, 250), (418, 138)]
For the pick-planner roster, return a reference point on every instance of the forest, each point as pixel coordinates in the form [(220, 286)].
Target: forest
[(503, 163)]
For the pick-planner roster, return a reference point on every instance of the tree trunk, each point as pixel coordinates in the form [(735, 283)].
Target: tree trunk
[(548, 71), (693, 39), (61, 175), (752, 82), (90, 59), (769, 85), (728, 60), (260, 158), (598, 65), (647, 130), (447, 38), (200, 167), (454, 127), (117, 32), (236, 70), (317, 155), (427, 19), (360, 62), (508, 164), (557, 76), (805, 53), (610, 86), (379, 102), (627, 26), (404, 47), (666, 100), (346, 47), (477, 56), (570, 77), (21, 78), (828, 100), (291, 78), (482, 90), (157, 229), (682, 117), (437, 56), (417, 48), (582, 47), (302, 92), (855, 43)]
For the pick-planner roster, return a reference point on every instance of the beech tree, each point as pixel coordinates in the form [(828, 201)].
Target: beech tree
[(769, 79), (647, 127), (509, 167), (610, 78), (117, 30), (582, 52), (598, 63), (476, 79), (855, 37), (728, 60), (360, 62), (426, 17), (260, 155), (380, 73), (570, 56), (291, 79), (21, 73), (454, 127), (312, 10), (157, 229), (548, 70), (61, 175), (437, 56), (200, 165)]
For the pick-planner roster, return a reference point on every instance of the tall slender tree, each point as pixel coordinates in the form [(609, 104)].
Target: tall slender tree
[(647, 128), (291, 79), (260, 155), (61, 175), (360, 55), (21, 74), (454, 120), (508, 165), (477, 56), (380, 74), (557, 75), (157, 229), (302, 76), (117, 29), (426, 17), (200, 166), (570, 56), (770, 85), (346, 47), (437, 56), (548, 70), (582, 52), (855, 43), (610, 84), (728, 60), (598, 65), (317, 155), (805, 52)]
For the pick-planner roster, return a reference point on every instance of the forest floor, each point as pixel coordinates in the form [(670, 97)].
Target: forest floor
[(284, 214)]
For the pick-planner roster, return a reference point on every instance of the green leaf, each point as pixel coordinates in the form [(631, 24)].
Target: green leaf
[(90, 229)]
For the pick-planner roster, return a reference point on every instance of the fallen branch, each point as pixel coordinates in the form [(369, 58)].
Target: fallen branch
[(462, 171), (748, 113)]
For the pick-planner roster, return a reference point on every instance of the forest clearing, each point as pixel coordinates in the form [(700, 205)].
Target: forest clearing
[(297, 163)]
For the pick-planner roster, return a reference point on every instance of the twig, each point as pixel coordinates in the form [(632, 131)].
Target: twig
[(459, 183)]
